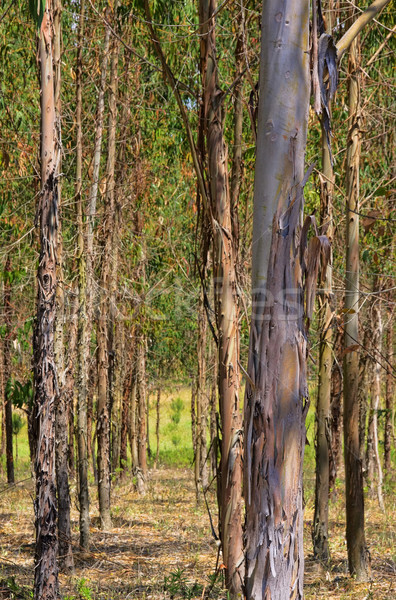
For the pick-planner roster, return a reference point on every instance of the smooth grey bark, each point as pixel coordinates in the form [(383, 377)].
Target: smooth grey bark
[(276, 400)]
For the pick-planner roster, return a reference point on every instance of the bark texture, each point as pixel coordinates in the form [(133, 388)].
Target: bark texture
[(7, 371), (389, 386), (45, 376), (62, 410), (356, 543), (323, 429), (84, 330), (276, 400), (103, 423), (226, 306)]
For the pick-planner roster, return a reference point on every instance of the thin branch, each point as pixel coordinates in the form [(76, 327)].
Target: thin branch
[(365, 18)]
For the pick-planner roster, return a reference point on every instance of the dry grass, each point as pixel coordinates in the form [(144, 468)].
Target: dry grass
[(161, 547)]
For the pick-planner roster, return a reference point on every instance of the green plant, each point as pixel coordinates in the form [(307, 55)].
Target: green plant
[(84, 590), (177, 585), (177, 406), (17, 424)]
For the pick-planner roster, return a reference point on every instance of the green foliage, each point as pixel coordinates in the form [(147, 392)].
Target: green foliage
[(178, 585), (14, 590), (84, 591), (37, 8), (17, 423), (21, 393), (177, 406)]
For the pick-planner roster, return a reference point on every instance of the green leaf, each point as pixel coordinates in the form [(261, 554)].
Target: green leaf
[(37, 8)]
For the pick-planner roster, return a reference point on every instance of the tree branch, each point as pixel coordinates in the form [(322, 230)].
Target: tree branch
[(365, 18)]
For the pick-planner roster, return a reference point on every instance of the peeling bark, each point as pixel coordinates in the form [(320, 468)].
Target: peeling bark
[(226, 306), (276, 401), (46, 585)]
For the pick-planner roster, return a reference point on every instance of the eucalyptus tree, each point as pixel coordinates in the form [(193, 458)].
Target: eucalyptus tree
[(283, 269), (45, 375)]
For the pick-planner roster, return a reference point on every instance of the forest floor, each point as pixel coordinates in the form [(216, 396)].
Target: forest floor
[(161, 546)]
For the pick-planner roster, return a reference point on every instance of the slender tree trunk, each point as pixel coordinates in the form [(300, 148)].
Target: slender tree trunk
[(375, 402), (126, 414), (119, 369), (2, 395), (103, 418), (141, 471), (226, 307), (70, 379), (7, 371), (356, 543), (157, 425), (193, 415), (322, 446), (276, 401), (61, 419), (200, 471), (336, 410), (363, 402), (388, 396), (83, 319), (213, 415), (323, 428), (45, 378), (133, 425)]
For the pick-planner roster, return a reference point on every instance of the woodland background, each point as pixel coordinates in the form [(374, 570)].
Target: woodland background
[(133, 232)]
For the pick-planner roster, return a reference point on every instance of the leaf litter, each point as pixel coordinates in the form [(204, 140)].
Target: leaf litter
[(161, 547)]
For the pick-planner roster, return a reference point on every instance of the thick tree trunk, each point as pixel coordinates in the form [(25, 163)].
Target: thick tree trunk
[(276, 401), (226, 307), (45, 378), (356, 543), (7, 371)]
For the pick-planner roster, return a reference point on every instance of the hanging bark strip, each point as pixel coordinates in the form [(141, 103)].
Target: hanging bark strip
[(226, 306), (45, 378)]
